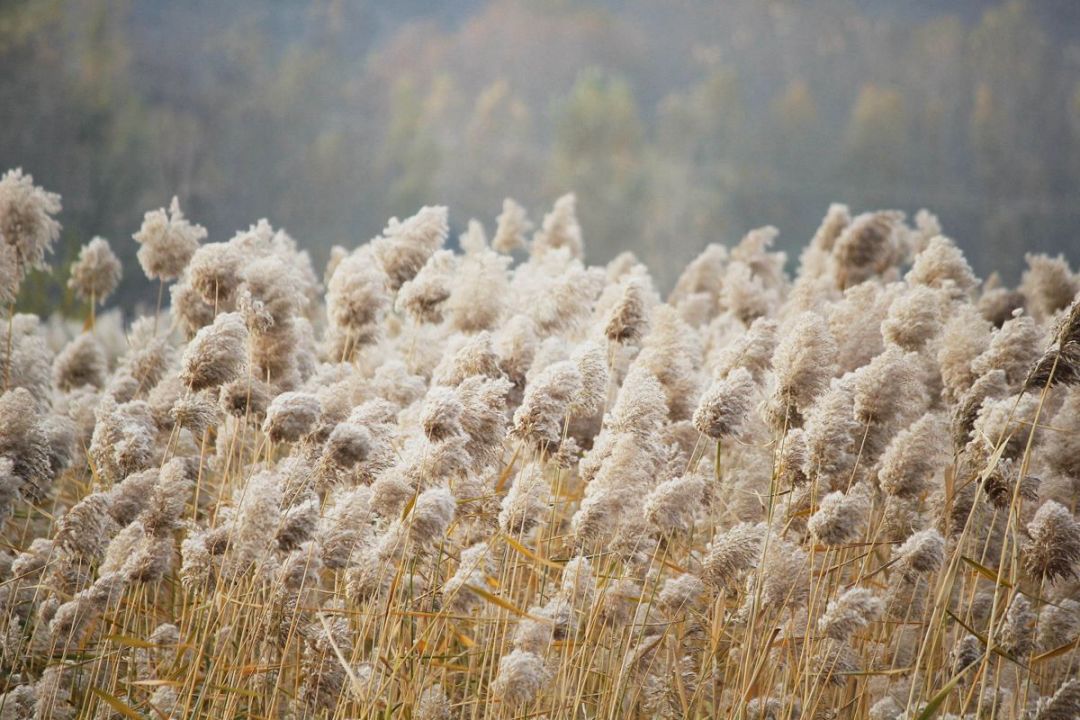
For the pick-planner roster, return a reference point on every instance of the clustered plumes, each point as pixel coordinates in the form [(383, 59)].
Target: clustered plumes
[(167, 242), (497, 482), (1054, 548), (27, 229), (404, 247), (96, 273), (725, 404), (217, 353)]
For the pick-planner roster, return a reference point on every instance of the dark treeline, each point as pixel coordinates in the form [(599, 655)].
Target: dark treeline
[(677, 122)]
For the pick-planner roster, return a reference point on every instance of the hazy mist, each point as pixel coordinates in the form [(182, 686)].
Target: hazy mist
[(677, 123)]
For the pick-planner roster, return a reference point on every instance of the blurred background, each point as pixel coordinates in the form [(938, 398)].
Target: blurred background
[(676, 122)]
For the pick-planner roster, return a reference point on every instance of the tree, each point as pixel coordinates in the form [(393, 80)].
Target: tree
[(597, 153)]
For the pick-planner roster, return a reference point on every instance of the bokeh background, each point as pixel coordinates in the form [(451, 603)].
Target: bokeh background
[(676, 122)]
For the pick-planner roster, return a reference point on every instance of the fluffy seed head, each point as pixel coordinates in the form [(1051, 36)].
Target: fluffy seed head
[(628, 319), (671, 504), (923, 552), (357, 296), (725, 404), (835, 660), (480, 290), (96, 273), (474, 356), (547, 402), (425, 295), (868, 246), (348, 444), (81, 362), (85, 529), (1058, 624), (830, 437), (123, 440), (10, 274), (24, 443), (216, 354), (914, 318), (804, 362), (431, 515), (149, 354), (525, 505), (752, 350), (1048, 284), (258, 516), (560, 229), (245, 396), (405, 246), (578, 582), (1017, 633), (476, 563), (441, 416), (511, 227), (433, 704), (851, 611), (27, 225), (291, 415), (520, 677), (196, 412), (1062, 705), (941, 265), (1054, 550), (681, 593), (215, 272), (839, 517), (168, 241), (912, 457), (732, 553), (1060, 364), (1013, 348)]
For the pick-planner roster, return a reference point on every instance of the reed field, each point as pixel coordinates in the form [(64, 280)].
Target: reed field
[(478, 477)]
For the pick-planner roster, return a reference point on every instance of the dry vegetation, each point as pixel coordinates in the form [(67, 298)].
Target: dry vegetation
[(501, 483)]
